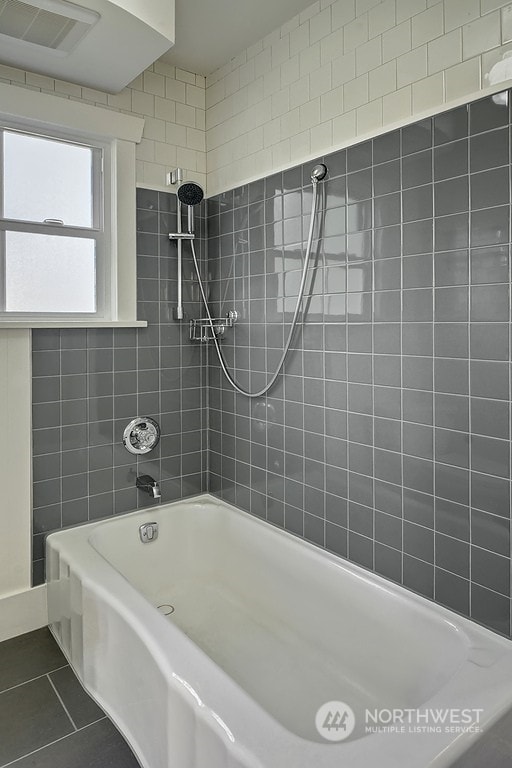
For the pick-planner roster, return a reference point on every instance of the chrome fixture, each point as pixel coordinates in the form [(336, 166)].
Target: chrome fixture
[(318, 173), (141, 435), (149, 486), (190, 194), (202, 328), (148, 532)]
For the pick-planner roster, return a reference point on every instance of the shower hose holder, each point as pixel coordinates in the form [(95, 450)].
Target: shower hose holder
[(201, 328)]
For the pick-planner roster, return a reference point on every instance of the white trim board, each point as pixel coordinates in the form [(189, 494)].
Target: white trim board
[(23, 612)]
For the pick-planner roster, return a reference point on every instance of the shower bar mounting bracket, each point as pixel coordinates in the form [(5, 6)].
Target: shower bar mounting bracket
[(201, 328)]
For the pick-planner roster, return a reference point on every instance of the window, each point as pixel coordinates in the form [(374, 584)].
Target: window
[(53, 254), (67, 212)]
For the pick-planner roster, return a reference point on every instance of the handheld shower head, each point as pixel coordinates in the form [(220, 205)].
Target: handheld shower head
[(189, 193)]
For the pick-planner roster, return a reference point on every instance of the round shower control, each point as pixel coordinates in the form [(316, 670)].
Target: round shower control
[(141, 435)]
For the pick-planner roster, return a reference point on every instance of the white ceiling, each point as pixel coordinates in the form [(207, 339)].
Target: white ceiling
[(210, 32)]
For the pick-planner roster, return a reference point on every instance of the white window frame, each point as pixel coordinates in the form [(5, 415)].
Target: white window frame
[(116, 134)]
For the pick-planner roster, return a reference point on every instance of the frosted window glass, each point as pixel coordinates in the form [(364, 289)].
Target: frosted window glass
[(45, 179), (47, 273)]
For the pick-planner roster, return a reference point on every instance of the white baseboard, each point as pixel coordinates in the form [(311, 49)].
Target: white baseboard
[(23, 612)]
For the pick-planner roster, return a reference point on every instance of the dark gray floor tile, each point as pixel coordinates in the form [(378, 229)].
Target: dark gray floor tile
[(27, 656), (82, 709), (31, 716), (97, 746)]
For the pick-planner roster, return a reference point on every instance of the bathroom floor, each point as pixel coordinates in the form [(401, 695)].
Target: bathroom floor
[(47, 720)]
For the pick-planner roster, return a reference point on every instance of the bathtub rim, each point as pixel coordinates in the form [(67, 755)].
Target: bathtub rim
[(467, 629)]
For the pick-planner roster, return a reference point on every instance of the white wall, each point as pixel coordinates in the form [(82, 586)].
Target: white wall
[(172, 103), (342, 70)]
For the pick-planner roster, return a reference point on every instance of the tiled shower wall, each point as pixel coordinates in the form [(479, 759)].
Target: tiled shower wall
[(87, 386), (386, 439)]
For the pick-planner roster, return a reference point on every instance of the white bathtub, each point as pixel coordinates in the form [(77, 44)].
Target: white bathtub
[(265, 630)]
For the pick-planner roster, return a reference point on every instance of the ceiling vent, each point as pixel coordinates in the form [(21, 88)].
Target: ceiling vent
[(48, 23)]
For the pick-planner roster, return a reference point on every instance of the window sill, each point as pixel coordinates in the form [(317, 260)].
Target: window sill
[(68, 324)]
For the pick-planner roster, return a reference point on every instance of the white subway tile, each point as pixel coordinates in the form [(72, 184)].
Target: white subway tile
[(481, 35), (331, 46), (343, 11), (255, 91), (382, 80), (196, 139), (185, 115), (154, 129), (299, 92), (290, 71), (88, 94), (463, 79), (232, 82), (176, 135), (320, 25), (411, 66), (186, 158), (460, 12), (344, 128), (369, 56), (255, 140), (201, 81), (195, 96), (309, 59), (299, 39), (397, 41), (186, 77), (145, 150), (272, 82), (281, 153), (240, 60), (355, 33), (247, 73), (174, 90), (200, 119), (289, 123), (381, 18), (369, 117), (143, 103), (397, 106), (309, 12), (321, 136), (165, 154), (272, 38), (290, 25), (362, 6), (343, 69), (428, 94), (154, 83), (253, 50), (355, 92), (445, 51), (428, 25), (164, 68), (280, 51), (405, 9), (153, 175), (240, 100), (309, 114), (491, 5), (300, 146), (331, 104), (320, 81), (48, 84), (121, 101), (137, 84), (262, 62), (280, 102), (272, 132), (214, 94)]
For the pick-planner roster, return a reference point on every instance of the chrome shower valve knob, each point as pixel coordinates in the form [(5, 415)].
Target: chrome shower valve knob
[(141, 435)]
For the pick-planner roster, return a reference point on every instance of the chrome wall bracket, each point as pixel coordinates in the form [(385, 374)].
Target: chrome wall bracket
[(201, 328)]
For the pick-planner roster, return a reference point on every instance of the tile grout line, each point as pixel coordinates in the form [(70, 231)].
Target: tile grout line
[(62, 702), (32, 679), (51, 743)]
